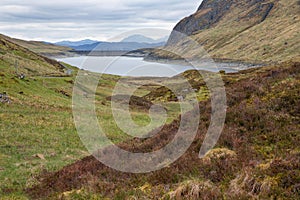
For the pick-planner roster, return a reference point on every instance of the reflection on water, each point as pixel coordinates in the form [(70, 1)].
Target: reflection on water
[(133, 66)]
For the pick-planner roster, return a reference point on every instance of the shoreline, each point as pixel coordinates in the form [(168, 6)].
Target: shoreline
[(220, 63)]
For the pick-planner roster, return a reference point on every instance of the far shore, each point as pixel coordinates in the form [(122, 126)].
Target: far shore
[(220, 63), (224, 63)]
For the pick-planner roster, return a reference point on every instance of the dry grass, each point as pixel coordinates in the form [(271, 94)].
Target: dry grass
[(256, 157), (242, 38)]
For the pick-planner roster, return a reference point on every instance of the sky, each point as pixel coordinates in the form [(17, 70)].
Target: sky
[(103, 20)]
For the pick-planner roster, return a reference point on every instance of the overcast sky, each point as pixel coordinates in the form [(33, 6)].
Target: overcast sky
[(57, 20)]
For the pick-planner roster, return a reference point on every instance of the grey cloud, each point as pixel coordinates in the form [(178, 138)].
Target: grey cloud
[(53, 20)]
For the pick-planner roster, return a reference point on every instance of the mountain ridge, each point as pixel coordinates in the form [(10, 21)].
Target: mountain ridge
[(39, 47), (115, 46), (68, 43), (130, 43), (251, 31), (143, 39), (14, 56)]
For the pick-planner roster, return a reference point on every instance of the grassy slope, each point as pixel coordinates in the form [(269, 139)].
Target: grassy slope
[(29, 63), (275, 39), (39, 118), (235, 37), (262, 107), (40, 47), (256, 157)]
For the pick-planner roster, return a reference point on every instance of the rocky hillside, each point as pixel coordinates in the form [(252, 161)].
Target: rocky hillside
[(247, 30)]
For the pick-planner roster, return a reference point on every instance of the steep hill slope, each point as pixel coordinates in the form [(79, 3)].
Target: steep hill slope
[(247, 30), (40, 47), (15, 59)]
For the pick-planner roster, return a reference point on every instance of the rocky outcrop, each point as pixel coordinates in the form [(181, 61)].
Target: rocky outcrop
[(252, 31), (211, 12)]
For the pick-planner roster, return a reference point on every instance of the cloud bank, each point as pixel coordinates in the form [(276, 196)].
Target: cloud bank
[(77, 19)]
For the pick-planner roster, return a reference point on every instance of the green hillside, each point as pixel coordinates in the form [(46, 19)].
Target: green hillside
[(36, 124), (247, 30), (40, 47), (256, 157), (27, 62)]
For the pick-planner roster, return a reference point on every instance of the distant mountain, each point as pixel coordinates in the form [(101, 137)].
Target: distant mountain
[(143, 39), (115, 46), (133, 42), (76, 43), (139, 39)]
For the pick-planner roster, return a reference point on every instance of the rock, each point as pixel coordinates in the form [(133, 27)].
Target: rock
[(40, 156), (4, 98), (211, 12)]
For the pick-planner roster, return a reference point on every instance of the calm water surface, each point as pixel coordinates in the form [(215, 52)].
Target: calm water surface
[(132, 66)]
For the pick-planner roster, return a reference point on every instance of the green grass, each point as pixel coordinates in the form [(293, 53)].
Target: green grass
[(39, 121), (37, 130), (40, 47)]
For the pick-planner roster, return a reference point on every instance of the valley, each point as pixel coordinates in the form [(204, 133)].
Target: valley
[(257, 156)]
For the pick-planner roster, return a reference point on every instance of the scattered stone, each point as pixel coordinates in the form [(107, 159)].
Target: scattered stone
[(4, 98), (40, 156), (22, 76), (180, 98), (222, 72), (53, 154)]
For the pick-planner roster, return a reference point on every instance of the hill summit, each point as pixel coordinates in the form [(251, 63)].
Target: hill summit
[(246, 30)]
